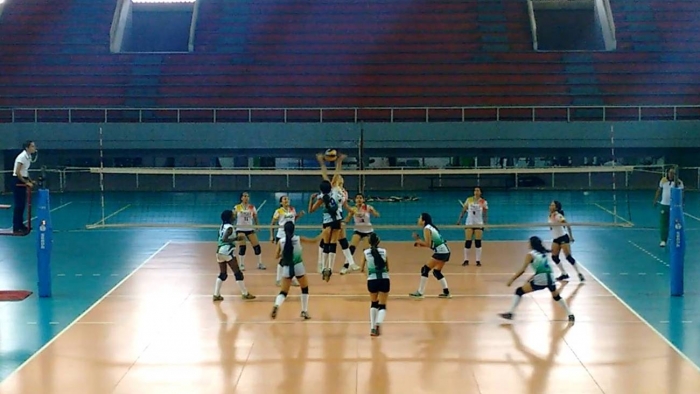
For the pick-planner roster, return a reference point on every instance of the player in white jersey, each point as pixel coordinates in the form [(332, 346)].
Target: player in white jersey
[(562, 238), (285, 213), (361, 214), (543, 278), (225, 250), (246, 220), (441, 254), (477, 210), (377, 262), (290, 253)]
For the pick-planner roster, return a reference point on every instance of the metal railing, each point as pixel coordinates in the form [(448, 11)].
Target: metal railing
[(351, 114)]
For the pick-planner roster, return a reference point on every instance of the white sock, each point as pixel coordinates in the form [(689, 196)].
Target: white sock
[(478, 254), (373, 317), (421, 286), (516, 301), (331, 260), (562, 269), (576, 267), (280, 299), (320, 259), (217, 287), (380, 316), (279, 273), (241, 257), (466, 254), (443, 282), (564, 305), (348, 257), (324, 261), (260, 259), (304, 302), (241, 285)]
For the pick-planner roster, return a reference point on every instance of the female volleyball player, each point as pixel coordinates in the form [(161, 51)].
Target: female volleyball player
[(562, 238), (378, 285), (225, 257), (543, 278), (477, 210), (441, 255), (332, 218), (285, 213), (362, 214), (338, 185), (246, 219), (290, 253)]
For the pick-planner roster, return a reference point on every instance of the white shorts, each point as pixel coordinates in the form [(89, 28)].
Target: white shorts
[(299, 270), (471, 222), (225, 253), (542, 281)]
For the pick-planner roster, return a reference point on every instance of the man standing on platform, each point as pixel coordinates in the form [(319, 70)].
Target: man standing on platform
[(665, 185), (21, 181)]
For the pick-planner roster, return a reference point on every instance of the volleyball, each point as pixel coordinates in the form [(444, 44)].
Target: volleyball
[(330, 155)]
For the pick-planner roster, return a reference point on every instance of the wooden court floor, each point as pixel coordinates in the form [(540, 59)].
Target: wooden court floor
[(160, 332)]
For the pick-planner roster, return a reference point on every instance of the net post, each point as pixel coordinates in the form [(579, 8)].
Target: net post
[(677, 251), (44, 243)]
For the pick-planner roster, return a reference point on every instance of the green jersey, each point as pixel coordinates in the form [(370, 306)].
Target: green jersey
[(540, 263), (296, 254), (372, 271), (438, 245)]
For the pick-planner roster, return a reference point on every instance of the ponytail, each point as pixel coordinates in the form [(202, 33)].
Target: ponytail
[(557, 205), (536, 245), (379, 262), (332, 209), (288, 251)]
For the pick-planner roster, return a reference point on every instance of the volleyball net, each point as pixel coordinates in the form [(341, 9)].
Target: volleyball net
[(517, 197)]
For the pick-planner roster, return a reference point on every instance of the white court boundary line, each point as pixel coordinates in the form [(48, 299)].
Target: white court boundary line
[(602, 208), (113, 214), (668, 342), (691, 216), (77, 319)]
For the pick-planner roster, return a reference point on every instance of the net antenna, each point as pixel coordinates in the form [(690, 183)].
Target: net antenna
[(102, 179), (614, 177)]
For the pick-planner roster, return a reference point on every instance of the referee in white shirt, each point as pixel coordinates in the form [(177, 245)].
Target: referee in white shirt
[(20, 174), (665, 185)]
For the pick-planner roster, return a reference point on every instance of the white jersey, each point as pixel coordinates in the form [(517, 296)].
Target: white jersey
[(475, 210), (665, 185), (245, 217), (363, 219), (557, 231), (225, 248), (337, 199), (372, 271), (283, 216)]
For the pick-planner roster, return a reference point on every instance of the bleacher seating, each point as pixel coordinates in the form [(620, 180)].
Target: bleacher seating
[(334, 53)]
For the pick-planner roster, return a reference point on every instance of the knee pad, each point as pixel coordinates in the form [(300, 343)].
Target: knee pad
[(381, 307), (571, 259), (424, 271), (238, 275), (305, 290), (477, 243), (332, 248), (556, 259), (241, 250), (223, 276), (438, 274), (283, 293), (257, 250), (352, 249), (343, 243), (556, 297), (519, 292), (468, 244), (375, 304), (326, 248)]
